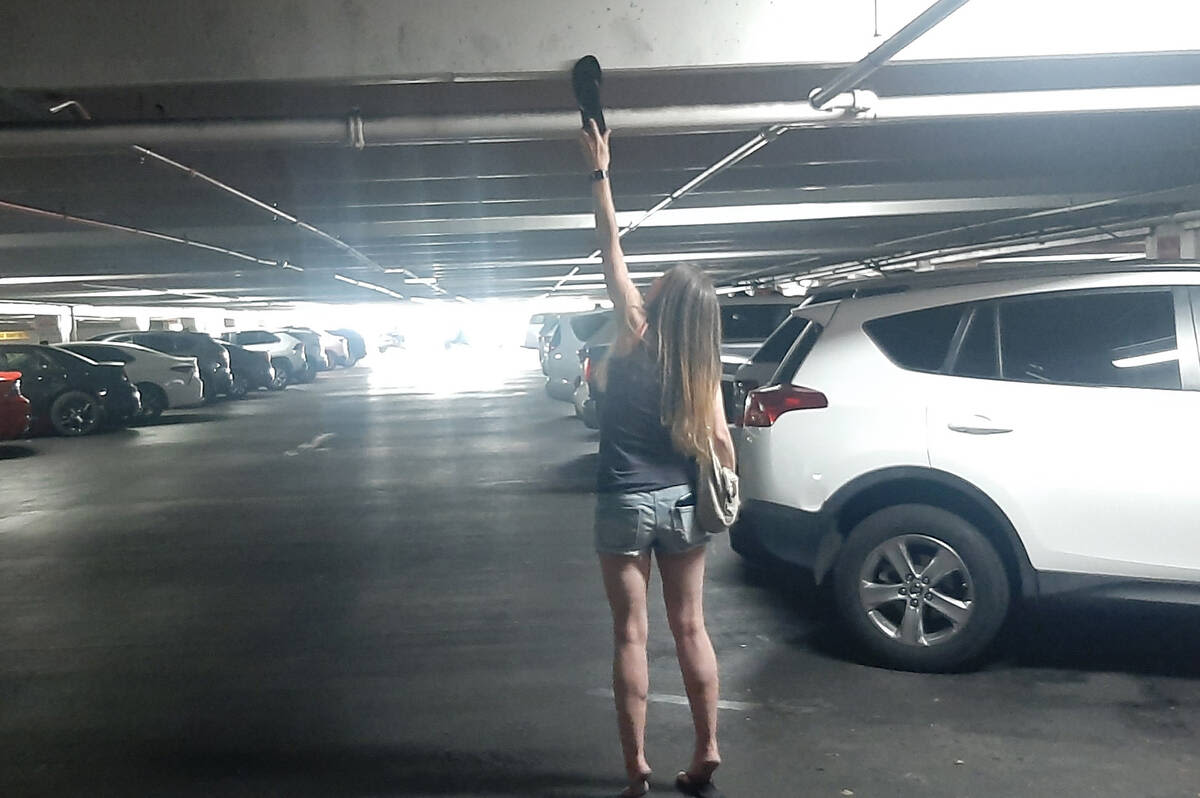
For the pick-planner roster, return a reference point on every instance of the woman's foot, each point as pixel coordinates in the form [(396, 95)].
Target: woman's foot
[(697, 780), (639, 785)]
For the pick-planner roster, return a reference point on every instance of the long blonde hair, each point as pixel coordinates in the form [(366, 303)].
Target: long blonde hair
[(686, 320)]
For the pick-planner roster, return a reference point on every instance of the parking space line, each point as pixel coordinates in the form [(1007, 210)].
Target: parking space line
[(318, 442)]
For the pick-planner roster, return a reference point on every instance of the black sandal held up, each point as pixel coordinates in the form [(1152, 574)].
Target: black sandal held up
[(700, 789)]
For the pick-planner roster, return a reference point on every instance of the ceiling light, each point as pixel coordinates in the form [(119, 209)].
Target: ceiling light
[(369, 286), (78, 278), (1075, 256)]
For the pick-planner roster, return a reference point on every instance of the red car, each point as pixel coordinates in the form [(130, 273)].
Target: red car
[(14, 408)]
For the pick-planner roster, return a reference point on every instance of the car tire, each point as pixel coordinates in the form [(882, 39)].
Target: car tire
[(283, 374), (944, 624), (154, 400), (239, 388), (76, 413)]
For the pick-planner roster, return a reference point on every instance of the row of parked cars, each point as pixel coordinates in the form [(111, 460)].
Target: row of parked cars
[(80, 387), (938, 450)]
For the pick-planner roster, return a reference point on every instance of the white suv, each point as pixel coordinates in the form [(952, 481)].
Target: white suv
[(285, 351), (941, 449)]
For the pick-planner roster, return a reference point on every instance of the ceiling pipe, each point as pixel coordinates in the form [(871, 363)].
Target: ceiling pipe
[(850, 77), (412, 130)]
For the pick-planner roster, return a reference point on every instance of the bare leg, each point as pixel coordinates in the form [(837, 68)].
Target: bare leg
[(626, 580), (683, 593)]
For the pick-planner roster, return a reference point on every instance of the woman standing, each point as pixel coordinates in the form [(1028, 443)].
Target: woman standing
[(662, 408)]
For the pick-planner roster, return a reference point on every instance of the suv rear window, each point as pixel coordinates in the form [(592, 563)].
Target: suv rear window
[(919, 340), (777, 345), (752, 322), (798, 353)]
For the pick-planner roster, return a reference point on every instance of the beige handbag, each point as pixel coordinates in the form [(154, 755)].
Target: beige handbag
[(717, 499)]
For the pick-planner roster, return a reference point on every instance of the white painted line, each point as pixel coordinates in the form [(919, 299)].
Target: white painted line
[(679, 700), (317, 442)]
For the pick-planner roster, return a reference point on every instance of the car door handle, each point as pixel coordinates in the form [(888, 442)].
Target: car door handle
[(978, 425)]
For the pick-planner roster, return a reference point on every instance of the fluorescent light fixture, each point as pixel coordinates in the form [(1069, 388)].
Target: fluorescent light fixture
[(413, 280), (1058, 101), (78, 278), (583, 277), (1152, 359), (369, 286), (1077, 256)]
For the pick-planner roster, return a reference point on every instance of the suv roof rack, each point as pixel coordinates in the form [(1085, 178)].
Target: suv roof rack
[(899, 282)]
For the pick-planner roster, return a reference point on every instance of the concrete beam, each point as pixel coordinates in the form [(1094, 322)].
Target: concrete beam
[(82, 43)]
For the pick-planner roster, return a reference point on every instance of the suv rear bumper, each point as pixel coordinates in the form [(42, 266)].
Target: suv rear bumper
[(768, 531)]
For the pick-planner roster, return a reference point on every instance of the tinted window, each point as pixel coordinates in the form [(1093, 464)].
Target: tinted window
[(919, 340), (586, 326), (798, 353), (22, 360), (163, 343), (1114, 338), (752, 322), (99, 352), (979, 355), (776, 347), (255, 337)]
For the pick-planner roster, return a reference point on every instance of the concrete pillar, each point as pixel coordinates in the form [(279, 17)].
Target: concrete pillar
[(1173, 242)]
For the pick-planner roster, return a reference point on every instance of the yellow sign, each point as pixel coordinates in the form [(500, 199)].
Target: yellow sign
[(14, 335)]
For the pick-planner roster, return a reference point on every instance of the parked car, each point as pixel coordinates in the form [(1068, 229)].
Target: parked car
[(765, 362), (211, 357), (163, 381), (14, 408), (746, 323), (69, 393), (251, 370), (355, 342), (533, 331), (563, 369), (938, 453), (335, 350), (285, 351), (324, 351), (544, 338)]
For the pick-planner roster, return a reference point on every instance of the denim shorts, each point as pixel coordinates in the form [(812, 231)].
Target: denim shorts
[(634, 523)]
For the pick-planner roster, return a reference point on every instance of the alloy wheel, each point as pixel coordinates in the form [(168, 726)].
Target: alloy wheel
[(916, 589), (79, 416)]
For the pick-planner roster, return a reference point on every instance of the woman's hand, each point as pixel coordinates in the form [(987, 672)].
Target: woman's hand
[(595, 146)]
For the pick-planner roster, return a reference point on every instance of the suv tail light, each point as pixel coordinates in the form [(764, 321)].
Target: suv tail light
[(587, 369), (765, 405)]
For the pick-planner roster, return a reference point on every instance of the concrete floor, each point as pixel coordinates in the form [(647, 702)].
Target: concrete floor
[(226, 603)]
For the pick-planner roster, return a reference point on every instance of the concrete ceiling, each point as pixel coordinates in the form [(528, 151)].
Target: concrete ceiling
[(510, 218)]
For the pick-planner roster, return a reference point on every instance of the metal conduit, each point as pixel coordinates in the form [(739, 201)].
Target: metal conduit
[(275, 212), (122, 228), (855, 74)]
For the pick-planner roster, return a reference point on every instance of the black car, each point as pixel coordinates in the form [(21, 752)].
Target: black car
[(210, 355), (68, 393), (251, 370), (354, 342)]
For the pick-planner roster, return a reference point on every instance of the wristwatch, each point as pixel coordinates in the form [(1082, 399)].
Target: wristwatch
[(599, 174)]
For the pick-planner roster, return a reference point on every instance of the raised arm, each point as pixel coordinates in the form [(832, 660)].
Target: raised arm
[(627, 301)]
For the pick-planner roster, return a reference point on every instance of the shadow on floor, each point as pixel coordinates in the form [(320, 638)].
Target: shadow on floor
[(574, 476), (15, 451), (1128, 637), (172, 419), (322, 771)]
